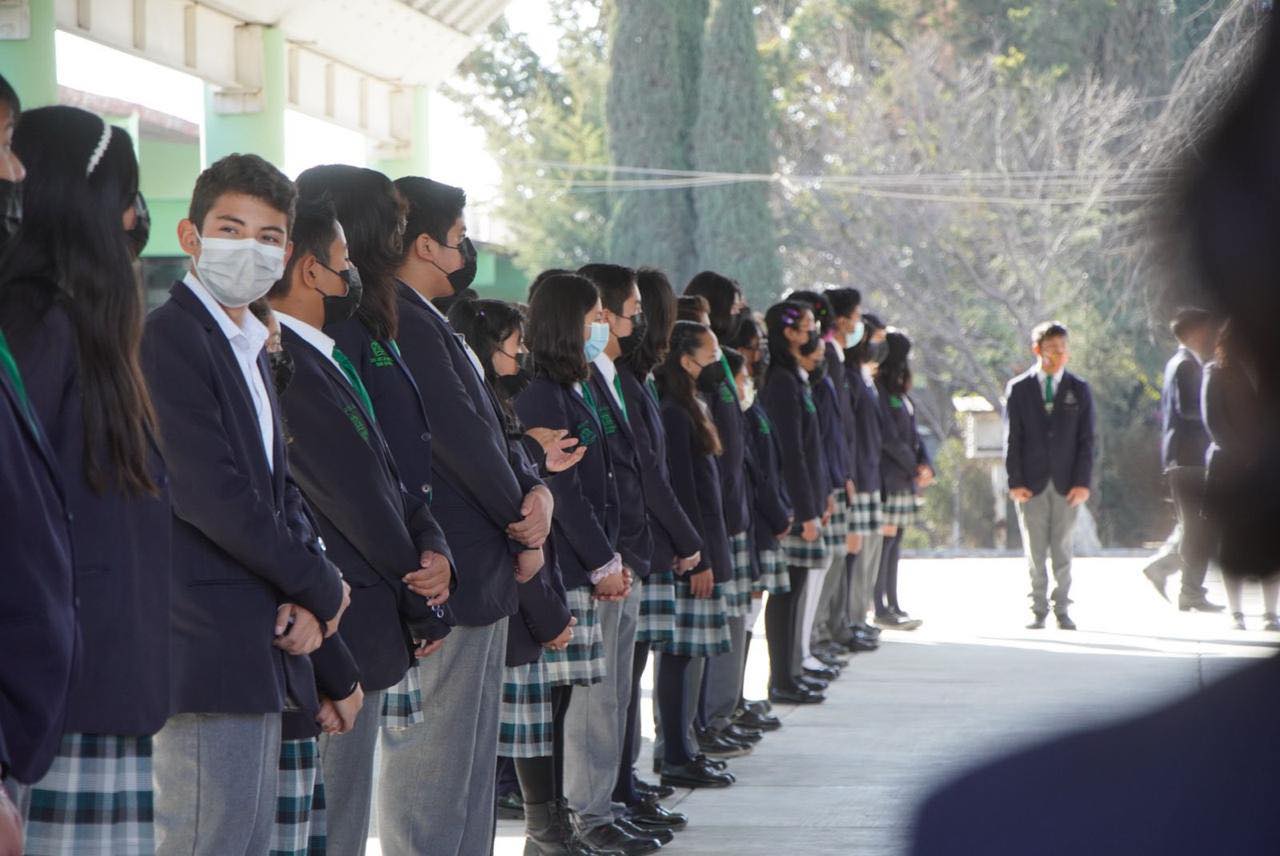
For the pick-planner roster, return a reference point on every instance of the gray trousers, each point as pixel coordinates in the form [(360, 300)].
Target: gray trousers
[(595, 723), (862, 588), (216, 778), (436, 785), (347, 762), (1047, 522), (724, 677), (832, 622)]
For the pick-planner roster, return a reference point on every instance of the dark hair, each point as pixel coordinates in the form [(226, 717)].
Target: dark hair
[(555, 327), (747, 336), (247, 174), (614, 281), (372, 214), (1188, 319), (871, 324), (315, 226), (674, 382), (433, 208), (822, 312), (543, 277), (1048, 330), (720, 292), (10, 97), (736, 361), (658, 302), (72, 250), (689, 306), (781, 317), (485, 325), (844, 301), (895, 371)]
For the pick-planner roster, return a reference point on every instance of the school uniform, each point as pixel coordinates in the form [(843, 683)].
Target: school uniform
[(236, 557), (38, 629), (771, 506), (901, 453), (586, 531), (1183, 444), (865, 510), (476, 492), (1048, 450), (828, 593), (119, 696), (374, 530)]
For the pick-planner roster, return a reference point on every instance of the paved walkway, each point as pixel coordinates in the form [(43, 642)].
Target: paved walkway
[(844, 777)]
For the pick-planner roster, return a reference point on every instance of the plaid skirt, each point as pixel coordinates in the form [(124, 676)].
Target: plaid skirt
[(702, 626), (901, 509), (838, 526), (773, 573), (582, 663), (657, 624), (804, 554), (525, 724), (300, 817), (864, 514), (737, 591), (402, 704), (97, 798)]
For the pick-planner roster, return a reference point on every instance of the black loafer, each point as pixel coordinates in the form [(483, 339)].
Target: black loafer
[(714, 764), (832, 662), (796, 696), (610, 838), (758, 721), (742, 733), (510, 807), (694, 776), (652, 791), (825, 674), (646, 814), (721, 746), (662, 836), (817, 685), (864, 631), (759, 705)]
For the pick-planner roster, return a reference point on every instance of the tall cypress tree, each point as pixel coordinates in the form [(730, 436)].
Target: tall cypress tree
[(735, 229), (647, 110)]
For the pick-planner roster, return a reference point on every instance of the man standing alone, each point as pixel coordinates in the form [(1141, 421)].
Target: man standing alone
[(1048, 454)]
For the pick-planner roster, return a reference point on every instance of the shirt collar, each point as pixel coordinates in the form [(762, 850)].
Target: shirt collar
[(253, 331), (426, 302), (312, 336), (606, 367), (804, 375), (1057, 377), (1193, 354)]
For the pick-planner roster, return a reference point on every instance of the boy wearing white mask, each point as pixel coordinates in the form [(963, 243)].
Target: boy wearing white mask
[(254, 593)]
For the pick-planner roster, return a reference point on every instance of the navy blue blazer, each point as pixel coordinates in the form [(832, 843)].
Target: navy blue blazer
[(544, 608), (870, 418), (1183, 438), (1040, 448), (374, 530), (734, 490), (38, 631), (789, 403), (634, 540), (237, 551), (122, 553), (770, 503), (587, 518), (476, 490), (696, 482), (674, 535), (837, 362), (834, 448), (901, 450)]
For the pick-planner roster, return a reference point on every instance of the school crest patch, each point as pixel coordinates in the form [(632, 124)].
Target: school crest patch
[(357, 421), (380, 357)]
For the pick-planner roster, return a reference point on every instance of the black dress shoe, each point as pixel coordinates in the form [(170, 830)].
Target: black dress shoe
[(824, 674), (862, 644), (510, 807), (901, 613), (646, 814), (759, 705), (832, 662), (662, 836), (760, 722), (1065, 622), (796, 696), (713, 764), (1037, 621), (649, 790), (694, 775), (722, 746), (1200, 604), (741, 732), (610, 837), (807, 682)]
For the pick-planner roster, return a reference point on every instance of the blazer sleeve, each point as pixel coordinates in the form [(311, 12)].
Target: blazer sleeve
[(543, 405), (542, 608), (922, 453), (681, 465), (765, 493), (335, 668), (210, 490), (1186, 390), (659, 499), (47, 360), (898, 446), (1083, 473), (781, 400), (1013, 429)]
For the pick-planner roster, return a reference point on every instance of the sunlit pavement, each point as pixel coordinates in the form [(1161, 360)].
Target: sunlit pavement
[(844, 777)]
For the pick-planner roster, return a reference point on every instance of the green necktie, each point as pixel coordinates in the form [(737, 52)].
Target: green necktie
[(653, 387), (11, 366), (1048, 391), (622, 399), (350, 371)]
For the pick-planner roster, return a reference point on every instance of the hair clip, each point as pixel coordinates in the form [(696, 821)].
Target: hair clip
[(96, 157)]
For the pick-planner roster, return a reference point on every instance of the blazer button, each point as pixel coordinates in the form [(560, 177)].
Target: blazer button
[(426, 438), (426, 488)]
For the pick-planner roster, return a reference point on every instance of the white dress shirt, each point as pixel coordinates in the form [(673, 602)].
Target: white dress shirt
[(1057, 379), (247, 339), (313, 337), (610, 371)]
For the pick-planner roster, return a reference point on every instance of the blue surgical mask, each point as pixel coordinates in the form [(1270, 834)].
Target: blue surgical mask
[(594, 346), (851, 340)]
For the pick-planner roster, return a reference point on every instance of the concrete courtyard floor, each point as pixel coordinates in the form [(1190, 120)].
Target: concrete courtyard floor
[(845, 776)]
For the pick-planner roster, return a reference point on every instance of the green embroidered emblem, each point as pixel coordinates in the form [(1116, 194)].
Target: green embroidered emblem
[(357, 421), (808, 402), (606, 420), (728, 395), (763, 424), (586, 434), (381, 358), (895, 401)]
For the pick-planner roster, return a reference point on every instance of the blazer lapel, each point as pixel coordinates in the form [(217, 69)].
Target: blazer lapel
[(604, 394)]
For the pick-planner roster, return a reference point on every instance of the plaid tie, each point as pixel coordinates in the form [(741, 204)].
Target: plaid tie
[(350, 371)]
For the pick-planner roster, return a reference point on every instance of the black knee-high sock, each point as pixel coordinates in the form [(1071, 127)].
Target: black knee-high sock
[(777, 633), (799, 582), (505, 781), (624, 789), (891, 585), (882, 580), (851, 577), (672, 707), (559, 707), (537, 779)]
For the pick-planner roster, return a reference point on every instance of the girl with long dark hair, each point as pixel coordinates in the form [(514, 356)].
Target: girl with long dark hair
[(861, 362), (793, 334), (905, 468), (72, 309)]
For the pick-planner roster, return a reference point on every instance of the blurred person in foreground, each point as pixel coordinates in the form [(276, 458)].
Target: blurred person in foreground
[(1199, 774)]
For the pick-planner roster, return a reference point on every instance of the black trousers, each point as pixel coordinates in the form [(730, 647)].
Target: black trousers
[(1187, 486), (781, 620)]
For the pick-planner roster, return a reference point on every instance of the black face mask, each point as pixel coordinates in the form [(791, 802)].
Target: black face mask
[(711, 377), (338, 308), (141, 230), (638, 327), (812, 345), (281, 369), (10, 210), (877, 351), (465, 275), (514, 384)]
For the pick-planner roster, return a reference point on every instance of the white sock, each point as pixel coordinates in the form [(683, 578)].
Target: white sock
[(812, 594)]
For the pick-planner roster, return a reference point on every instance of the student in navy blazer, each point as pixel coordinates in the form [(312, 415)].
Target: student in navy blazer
[(865, 511), (76, 340), (242, 569), (495, 516), (1049, 458)]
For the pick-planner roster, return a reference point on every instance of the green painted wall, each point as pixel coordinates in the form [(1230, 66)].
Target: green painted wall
[(415, 162), (497, 277), (260, 133), (29, 64), (169, 170)]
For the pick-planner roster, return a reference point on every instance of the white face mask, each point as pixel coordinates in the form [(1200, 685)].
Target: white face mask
[(237, 271), (748, 395)]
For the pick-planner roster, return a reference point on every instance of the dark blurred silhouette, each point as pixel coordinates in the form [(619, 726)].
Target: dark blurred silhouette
[(1198, 776)]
